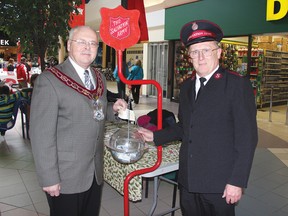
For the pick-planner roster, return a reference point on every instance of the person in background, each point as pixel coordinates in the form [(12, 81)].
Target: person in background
[(27, 92), (28, 65), (21, 72), (7, 102), (217, 127), (120, 85), (4, 89), (136, 73), (32, 79), (10, 66), (67, 128)]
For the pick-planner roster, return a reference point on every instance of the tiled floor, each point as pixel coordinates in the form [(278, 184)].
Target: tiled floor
[(267, 194)]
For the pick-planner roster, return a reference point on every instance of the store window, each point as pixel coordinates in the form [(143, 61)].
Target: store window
[(157, 68), (273, 75)]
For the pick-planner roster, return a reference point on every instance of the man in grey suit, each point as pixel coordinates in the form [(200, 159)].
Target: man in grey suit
[(68, 112)]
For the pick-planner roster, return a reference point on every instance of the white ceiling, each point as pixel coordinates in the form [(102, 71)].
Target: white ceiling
[(93, 17)]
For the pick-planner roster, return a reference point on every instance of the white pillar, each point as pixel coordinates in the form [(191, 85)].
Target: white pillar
[(145, 67)]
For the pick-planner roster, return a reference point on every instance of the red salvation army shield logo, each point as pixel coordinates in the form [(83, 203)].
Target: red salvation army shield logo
[(119, 27)]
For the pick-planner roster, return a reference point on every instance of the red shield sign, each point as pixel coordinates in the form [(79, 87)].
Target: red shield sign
[(119, 27)]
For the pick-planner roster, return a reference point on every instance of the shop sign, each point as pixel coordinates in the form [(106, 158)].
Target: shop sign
[(271, 14), (119, 27), (4, 42)]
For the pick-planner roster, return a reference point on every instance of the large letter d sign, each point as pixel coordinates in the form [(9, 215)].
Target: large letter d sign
[(283, 10)]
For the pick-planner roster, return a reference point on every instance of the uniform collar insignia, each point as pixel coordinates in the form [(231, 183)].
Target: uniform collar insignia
[(218, 75)]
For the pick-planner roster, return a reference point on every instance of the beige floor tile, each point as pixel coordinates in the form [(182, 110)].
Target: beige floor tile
[(278, 124), (19, 212), (12, 190), (278, 150), (5, 207), (19, 200), (282, 156), (42, 207), (285, 162)]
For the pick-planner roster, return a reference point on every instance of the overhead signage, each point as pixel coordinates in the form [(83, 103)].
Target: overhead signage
[(119, 27), (276, 9), (4, 42)]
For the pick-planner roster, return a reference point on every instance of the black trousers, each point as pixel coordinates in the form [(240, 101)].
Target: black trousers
[(135, 89), (121, 89), (199, 204), (81, 204)]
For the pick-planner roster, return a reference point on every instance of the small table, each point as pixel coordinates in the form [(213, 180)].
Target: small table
[(115, 172), (157, 174)]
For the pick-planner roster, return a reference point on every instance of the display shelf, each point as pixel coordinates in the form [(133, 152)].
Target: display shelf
[(235, 57), (273, 69), (275, 76)]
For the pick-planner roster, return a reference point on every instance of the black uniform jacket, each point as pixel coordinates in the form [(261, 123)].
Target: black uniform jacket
[(218, 133)]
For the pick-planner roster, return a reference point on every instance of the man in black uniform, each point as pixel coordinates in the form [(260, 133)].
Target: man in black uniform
[(218, 128)]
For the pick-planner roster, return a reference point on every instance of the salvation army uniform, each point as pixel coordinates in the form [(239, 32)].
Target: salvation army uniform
[(219, 130)]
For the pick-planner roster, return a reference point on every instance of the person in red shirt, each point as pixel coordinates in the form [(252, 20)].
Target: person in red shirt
[(21, 72)]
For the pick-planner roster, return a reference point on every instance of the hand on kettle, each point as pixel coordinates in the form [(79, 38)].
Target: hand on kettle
[(147, 134)]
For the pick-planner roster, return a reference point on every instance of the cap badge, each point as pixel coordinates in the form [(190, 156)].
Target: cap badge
[(218, 76), (194, 26)]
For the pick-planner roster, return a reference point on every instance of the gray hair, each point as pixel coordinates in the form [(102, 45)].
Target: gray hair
[(78, 28)]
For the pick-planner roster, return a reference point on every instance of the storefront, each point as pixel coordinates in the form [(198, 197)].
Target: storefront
[(8, 48), (255, 42)]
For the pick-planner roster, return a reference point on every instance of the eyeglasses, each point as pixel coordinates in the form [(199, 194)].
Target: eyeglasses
[(206, 52), (83, 43)]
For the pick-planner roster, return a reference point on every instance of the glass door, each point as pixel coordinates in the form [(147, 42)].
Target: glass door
[(158, 67)]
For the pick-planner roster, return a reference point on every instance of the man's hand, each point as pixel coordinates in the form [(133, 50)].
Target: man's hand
[(147, 134), (120, 104), (53, 190), (232, 194)]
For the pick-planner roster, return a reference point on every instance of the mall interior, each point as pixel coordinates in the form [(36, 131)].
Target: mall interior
[(255, 45)]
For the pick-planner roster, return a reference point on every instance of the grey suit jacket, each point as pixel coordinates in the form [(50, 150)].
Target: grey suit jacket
[(67, 143)]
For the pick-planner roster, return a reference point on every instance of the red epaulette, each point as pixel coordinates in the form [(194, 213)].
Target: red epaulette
[(193, 75), (234, 73)]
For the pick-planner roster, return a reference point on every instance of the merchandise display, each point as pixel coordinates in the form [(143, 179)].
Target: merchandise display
[(182, 67), (274, 83), (229, 56)]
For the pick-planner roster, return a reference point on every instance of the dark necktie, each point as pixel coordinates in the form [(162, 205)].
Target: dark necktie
[(202, 80), (87, 79)]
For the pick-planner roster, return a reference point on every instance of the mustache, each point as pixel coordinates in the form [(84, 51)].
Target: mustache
[(87, 53)]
